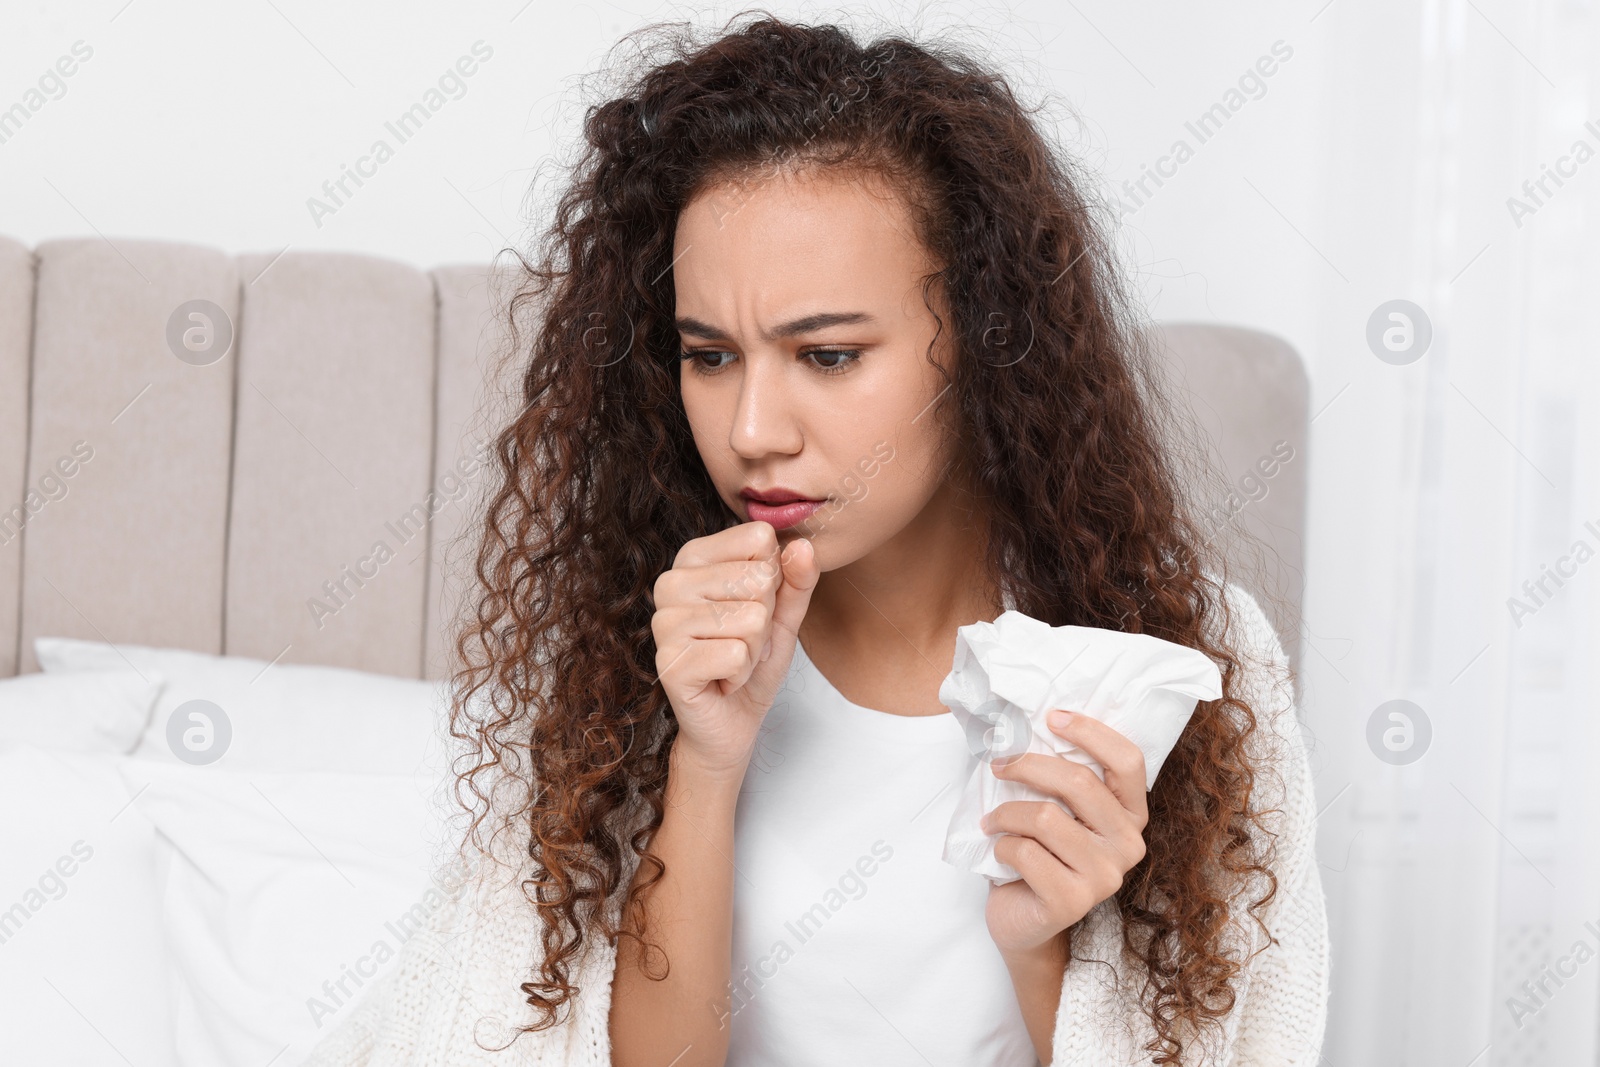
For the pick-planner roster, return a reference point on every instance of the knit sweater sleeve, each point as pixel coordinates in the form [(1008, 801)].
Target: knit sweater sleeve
[(1283, 1008), (381, 1028), (1280, 1010), (452, 996)]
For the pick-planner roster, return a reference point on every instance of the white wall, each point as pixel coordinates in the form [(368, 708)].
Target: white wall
[(215, 123)]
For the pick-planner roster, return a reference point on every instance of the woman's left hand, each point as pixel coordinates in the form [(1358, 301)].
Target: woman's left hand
[(1068, 865)]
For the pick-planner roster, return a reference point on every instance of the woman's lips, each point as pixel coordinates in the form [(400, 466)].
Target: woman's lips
[(781, 516)]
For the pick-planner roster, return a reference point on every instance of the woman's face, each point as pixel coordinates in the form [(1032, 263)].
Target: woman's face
[(800, 306)]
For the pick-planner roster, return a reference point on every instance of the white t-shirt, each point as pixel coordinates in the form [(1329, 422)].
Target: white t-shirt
[(853, 942)]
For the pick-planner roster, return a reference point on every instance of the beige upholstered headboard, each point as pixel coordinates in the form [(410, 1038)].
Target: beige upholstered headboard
[(294, 498)]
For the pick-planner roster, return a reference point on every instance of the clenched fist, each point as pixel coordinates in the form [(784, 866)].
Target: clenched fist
[(726, 621)]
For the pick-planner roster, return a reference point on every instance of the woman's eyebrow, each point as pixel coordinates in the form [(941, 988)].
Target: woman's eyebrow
[(806, 324)]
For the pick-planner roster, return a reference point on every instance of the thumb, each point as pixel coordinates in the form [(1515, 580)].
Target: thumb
[(800, 574)]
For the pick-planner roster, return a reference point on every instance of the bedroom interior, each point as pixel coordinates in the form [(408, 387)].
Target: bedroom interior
[(237, 494)]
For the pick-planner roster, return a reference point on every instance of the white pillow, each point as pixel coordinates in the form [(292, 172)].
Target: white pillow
[(83, 968), (79, 710), (281, 887), (278, 717)]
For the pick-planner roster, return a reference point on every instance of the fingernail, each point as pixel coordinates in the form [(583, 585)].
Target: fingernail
[(1060, 720)]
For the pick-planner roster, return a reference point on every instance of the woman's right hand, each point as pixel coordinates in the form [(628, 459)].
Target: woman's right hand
[(728, 597)]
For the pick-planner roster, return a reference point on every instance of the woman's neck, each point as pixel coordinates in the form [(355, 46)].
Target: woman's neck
[(882, 628)]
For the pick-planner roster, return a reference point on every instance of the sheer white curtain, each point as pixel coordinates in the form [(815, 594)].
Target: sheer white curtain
[(1455, 532)]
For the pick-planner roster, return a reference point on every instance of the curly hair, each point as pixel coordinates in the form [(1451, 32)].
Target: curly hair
[(597, 482)]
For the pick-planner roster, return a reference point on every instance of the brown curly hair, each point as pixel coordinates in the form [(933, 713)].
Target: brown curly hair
[(598, 482)]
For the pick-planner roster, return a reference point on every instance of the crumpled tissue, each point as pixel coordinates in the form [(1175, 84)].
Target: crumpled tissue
[(1007, 675)]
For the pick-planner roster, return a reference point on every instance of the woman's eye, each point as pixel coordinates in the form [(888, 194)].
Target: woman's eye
[(834, 360), (698, 359), (826, 360)]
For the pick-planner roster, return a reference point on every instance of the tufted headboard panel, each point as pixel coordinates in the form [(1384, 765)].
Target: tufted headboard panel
[(302, 494), (291, 500)]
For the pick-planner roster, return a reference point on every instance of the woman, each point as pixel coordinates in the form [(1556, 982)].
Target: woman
[(832, 360)]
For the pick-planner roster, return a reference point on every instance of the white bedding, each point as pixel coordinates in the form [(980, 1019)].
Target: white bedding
[(79, 710), (163, 912)]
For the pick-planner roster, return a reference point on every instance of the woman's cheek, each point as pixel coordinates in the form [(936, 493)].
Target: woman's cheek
[(895, 497)]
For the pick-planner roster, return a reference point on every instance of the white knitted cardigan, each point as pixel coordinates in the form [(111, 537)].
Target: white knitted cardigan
[(451, 996)]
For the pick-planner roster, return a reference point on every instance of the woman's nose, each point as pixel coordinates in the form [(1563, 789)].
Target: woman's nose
[(764, 419)]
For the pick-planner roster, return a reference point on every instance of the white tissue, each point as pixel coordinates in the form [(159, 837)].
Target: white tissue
[(1009, 674)]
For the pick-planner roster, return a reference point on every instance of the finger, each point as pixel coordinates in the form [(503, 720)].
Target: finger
[(1088, 851), (702, 663), (1121, 759), (1090, 799), (1046, 822), (744, 621), (800, 574), (1065, 894), (740, 579), (748, 540)]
